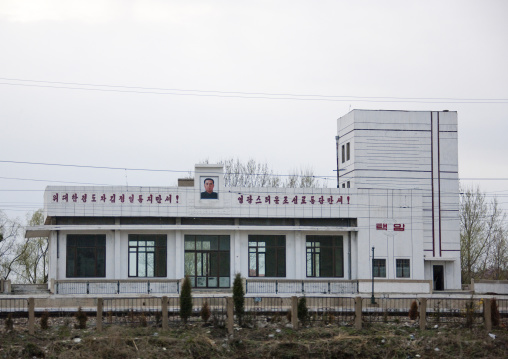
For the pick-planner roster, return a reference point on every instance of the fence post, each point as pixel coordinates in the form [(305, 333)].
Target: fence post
[(294, 312), (164, 309), (423, 313), (487, 314), (358, 313), (31, 316), (230, 314), (100, 306)]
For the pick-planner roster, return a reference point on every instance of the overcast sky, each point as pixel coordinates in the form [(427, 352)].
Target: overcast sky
[(167, 84)]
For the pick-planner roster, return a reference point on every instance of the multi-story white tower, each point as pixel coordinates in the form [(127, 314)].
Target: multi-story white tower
[(390, 150)]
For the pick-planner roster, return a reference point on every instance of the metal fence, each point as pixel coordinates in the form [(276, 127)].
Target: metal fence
[(147, 311), (13, 310), (118, 287), (467, 312), (392, 310), (255, 286), (331, 310)]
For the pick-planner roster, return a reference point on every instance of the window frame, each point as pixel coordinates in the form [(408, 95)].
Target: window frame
[(201, 248), (280, 268), (380, 264), (73, 246), (317, 264), (403, 267), (159, 253)]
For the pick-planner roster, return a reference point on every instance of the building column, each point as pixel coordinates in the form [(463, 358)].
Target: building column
[(118, 255), (179, 255)]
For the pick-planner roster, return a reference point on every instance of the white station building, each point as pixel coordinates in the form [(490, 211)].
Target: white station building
[(397, 199)]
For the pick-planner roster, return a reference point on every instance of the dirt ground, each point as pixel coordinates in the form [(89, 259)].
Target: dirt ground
[(383, 340)]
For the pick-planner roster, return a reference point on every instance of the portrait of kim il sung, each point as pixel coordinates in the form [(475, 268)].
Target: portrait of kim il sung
[(208, 186)]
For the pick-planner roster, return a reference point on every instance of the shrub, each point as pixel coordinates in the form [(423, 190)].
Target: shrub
[(44, 320), (413, 310), (239, 297), (186, 300), (302, 310), (494, 313), (81, 317), (9, 323), (205, 312), (470, 309)]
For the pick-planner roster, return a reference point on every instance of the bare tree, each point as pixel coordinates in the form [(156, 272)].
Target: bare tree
[(481, 233), (9, 231), (256, 174), (32, 262)]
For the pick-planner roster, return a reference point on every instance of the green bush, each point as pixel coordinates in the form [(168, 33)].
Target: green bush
[(239, 298), (81, 317), (186, 300), (302, 310)]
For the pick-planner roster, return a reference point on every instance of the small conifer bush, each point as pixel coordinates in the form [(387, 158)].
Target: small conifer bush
[(186, 300)]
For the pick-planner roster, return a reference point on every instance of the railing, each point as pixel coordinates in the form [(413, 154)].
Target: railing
[(117, 287), (282, 311), (388, 309), (148, 311), (14, 310), (455, 310), (285, 286)]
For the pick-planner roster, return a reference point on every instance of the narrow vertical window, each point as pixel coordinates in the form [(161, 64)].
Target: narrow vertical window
[(343, 154), (379, 267), (348, 151), (402, 268)]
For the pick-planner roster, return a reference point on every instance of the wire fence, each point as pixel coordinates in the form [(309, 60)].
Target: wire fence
[(330, 310), (13, 312), (393, 310), (460, 311), (147, 311)]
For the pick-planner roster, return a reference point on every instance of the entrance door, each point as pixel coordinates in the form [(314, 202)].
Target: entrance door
[(438, 277), (207, 261)]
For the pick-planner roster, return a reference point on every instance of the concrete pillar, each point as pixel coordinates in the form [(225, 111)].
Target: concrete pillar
[(100, 306), (118, 253), (164, 308), (294, 312), (230, 314), (423, 313), (31, 316), (358, 312), (487, 314)]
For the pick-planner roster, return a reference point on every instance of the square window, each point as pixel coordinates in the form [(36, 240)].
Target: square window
[(267, 256), (325, 256), (86, 256)]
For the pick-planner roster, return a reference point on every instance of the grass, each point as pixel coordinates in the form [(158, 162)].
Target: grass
[(276, 341)]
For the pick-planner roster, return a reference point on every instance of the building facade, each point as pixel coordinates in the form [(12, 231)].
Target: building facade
[(410, 150), (210, 232)]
